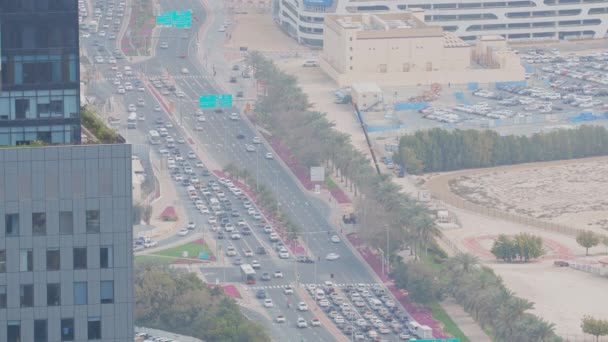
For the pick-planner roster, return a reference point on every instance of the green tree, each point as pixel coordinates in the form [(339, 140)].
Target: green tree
[(423, 284), (504, 248), (587, 239), (595, 327), (528, 246)]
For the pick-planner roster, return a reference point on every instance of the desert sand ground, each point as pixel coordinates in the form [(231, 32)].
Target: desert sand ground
[(572, 193), (561, 295)]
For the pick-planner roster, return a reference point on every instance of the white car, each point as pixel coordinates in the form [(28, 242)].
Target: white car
[(268, 303), (157, 108), (141, 89), (86, 35), (185, 71), (164, 45), (335, 239), (278, 274), (302, 323), (128, 86), (222, 29), (179, 93), (141, 117), (201, 119), (284, 255), (315, 322), (191, 225), (132, 108), (255, 264), (102, 33), (116, 82), (256, 140), (280, 319), (323, 303), (332, 256), (140, 102), (120, 90), (248, 253), (269, 155), (150, 244), (234, 116), (250, 148), (288, 290), (183, 232), (212, 220), (251, 211), (235, 236)]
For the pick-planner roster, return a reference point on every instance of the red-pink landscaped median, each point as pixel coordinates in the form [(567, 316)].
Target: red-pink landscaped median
[(420, 313), (231, 291)]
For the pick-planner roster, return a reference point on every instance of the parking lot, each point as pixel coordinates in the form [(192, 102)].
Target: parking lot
[(559, 88)]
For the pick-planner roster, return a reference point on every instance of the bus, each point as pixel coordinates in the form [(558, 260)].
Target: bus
[(132, 120), (154, 137), (248, 273)]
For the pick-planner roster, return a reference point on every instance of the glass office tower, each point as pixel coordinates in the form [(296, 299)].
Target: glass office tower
[(40, 84)]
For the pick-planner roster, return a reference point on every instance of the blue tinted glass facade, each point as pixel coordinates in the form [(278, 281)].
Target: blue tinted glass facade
[(40, 82)]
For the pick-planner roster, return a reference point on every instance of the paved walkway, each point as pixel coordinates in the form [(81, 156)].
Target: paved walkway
[(465, 322)]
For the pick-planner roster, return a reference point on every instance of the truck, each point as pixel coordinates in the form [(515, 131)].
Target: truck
[(346, 99)]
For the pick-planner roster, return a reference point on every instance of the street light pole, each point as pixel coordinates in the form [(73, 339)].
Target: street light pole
[(388, 253)]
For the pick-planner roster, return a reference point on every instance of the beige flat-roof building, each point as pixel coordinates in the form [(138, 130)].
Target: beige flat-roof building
[(393, 49)]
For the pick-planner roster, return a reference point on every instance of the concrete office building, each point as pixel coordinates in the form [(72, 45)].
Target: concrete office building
[(66, 244), (400, 49), (40, 82), (467, 19)]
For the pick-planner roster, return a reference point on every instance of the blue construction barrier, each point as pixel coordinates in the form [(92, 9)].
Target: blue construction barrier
[(529, 69), (511, 84), (411, 105), (473, 86), (587, 116), (459, 95)]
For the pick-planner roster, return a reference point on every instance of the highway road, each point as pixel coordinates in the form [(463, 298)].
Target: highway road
[(217, 139)]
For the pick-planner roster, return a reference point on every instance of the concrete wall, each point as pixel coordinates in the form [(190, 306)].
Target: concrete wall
[(423, 77)]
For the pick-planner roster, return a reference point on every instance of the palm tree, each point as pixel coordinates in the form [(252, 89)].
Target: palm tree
[(463, 263)]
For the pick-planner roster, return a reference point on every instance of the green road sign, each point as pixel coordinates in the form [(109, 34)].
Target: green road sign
[(207, 101), (225, 100), (212, 100), (179, 19)]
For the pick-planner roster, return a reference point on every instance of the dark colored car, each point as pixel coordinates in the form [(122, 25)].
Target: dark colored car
[(240, 136), (260, 294), (260, 250)]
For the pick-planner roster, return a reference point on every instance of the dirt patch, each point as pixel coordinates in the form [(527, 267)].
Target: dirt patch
[(259, 32), (573, 193)]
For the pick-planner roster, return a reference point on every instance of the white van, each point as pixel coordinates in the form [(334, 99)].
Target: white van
[(320, 294), (128, 70)]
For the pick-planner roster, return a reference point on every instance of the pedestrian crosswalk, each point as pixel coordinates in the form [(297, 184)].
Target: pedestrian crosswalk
[(269, 287)]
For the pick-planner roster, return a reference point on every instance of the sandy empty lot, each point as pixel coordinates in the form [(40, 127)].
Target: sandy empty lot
[(573, 193)]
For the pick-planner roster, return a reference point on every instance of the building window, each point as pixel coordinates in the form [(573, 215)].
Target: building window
[(26, 293), (107, 292), (106, 259), (80, 293), (13, 331), (22, 107), (53, 259), (3, 297), (94, 328), (39, 223), (66, 223), (67, 329), (40, 330), (26, 261), (80, 258), (53, 294), (92, 221), (2, 261), (12, 224)]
